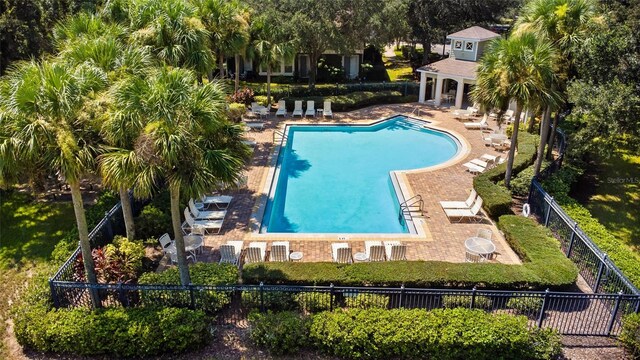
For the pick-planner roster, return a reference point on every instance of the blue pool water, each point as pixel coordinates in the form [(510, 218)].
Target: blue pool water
[(335, 179)]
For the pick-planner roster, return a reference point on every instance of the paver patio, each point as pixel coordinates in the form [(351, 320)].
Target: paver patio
[(446, 239)]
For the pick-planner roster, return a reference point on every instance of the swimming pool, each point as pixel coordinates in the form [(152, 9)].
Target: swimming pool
[(335, 179)]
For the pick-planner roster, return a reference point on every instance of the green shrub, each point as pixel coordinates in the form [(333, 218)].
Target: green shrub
[(367, 301), (313, 302), (521, 184), (438, 334), (630, 334), (458, 301), (355, 100), (201, 274), (497, 198), (152, 222), (280, 333), (272, 300), (558, 186), (236, 110), (544, 266), (525, 305)]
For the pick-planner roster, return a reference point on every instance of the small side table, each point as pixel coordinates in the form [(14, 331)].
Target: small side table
[(319, 112), (296, 256), (360, 257)]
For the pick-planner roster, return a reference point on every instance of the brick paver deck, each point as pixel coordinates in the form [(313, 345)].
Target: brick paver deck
[(446, 239)]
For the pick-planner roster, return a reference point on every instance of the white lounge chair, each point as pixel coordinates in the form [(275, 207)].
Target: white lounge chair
[(474, 213), (341, 253), (473, 168), (208, 226), (374, 250), (297, 109), (327, 109), (460, 204), (205, 215), (254, 125), (221, 202), (282, 108), (478, 125), (279, 251), (508, 116), (395, 250), (311, 108), (230, 252), (256, 252)]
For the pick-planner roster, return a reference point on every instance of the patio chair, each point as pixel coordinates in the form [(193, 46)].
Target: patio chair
[(484, 233), (508, 116), (398, 253), (387, 247), (264, 112), (341, 253), (256, 252), (221, 202), (473, 257), (282, 108), (327, 109), (205, 215), (473, 168), (297, 109), (256, 109), (460, 204), (279, 251), (474, 213), (166, 242), (230, 252), (477, 125), (311, 108), (209, 226), (374, 250)]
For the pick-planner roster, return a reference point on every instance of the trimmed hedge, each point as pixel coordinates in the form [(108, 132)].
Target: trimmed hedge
[(630, 335), (626, 260), (280, 333), (436, 334), (497, 198), (354, 100), (544, 266)]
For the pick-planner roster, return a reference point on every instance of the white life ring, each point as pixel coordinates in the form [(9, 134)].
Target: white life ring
[(526, 210)]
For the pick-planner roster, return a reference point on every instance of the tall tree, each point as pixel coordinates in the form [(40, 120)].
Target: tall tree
[(42, 112), (186, 141)]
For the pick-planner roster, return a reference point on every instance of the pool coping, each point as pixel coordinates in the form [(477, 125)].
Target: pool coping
[(403, 189)]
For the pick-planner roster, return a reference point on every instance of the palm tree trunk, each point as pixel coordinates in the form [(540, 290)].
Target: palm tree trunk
[(532, 121), (85, 245), (512, 150), (544, 128), (268, 85), (552, 138), (174, 193), (313, 70), (237, 60), (221, 64), (127, 213)]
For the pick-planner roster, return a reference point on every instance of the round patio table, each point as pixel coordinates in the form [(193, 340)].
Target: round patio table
[(295, 256), (480, 246), (360, 257), (192, 243)]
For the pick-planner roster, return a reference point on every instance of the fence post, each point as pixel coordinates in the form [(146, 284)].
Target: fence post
[(573, 238), (54, 294), (122, 296), (530, 192), (331, 297), (545, 302), (473, 297), (600, 270), (546, 219), (401, 296), (261, 296), (616, 307), (192, 295)]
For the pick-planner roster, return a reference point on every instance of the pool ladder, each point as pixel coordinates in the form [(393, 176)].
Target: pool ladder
[(408, 207), (282, 136)]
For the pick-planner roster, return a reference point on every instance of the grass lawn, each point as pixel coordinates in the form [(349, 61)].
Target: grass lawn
[(28, 233), (398, 68), (616, 199)]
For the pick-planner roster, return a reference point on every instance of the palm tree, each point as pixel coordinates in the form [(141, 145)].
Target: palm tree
[(185, 140), (519, 68), (565, 23), (228, 24), (271, 45), (42, 112)]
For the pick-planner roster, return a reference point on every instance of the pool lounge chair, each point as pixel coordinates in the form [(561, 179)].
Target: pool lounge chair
[(311, 108), (279, 251), (282, 108), (205, 215), (206, 226), (327, 109), (478, 125), (473, 168), (230, 252), (460, 204), (374, 250), (395, 250), (341, 253), (297, 109), (256, 252), (254, 125), (474, 213), (221, 202)]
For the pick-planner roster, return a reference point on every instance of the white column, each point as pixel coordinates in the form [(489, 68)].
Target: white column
[(459, 93), (423, 86), (438, 96), (433, 87)]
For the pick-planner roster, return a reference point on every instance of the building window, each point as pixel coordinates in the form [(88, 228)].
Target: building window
[(288, 67), (457, 45), (468, 46)]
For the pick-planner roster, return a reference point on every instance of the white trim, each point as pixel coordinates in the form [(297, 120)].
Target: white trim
[(473, 44)]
